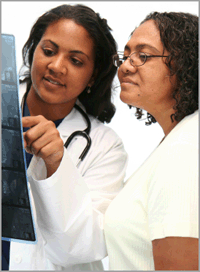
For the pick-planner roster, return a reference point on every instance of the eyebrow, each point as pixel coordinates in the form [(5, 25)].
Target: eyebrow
[(142, 46), (72, 51), (52, 43), (79, 52)]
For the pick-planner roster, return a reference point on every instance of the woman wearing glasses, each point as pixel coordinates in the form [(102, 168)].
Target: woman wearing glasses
[(153, 223)]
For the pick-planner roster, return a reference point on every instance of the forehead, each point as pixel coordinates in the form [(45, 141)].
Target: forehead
[(66, 26), (69, 35), (146, 35)]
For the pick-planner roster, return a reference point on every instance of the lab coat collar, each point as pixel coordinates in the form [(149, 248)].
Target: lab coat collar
[(72, 122)]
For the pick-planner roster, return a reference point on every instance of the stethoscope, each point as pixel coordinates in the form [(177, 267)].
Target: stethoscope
[(84, 133)]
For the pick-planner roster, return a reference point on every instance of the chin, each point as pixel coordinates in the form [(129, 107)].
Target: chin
[(131, 99), (125, 98)]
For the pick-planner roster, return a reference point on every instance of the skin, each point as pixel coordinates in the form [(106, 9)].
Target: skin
[(64, 55), (149, 87), (176, 253)]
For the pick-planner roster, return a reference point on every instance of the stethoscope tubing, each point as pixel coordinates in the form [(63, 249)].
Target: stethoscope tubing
[(84, 133)]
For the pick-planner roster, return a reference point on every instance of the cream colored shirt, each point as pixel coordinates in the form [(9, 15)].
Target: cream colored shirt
[(160, 199)]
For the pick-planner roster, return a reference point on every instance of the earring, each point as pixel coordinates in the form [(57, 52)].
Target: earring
[(88, 90)]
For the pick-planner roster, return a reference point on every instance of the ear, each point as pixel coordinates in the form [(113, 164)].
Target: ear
[(93, 78)]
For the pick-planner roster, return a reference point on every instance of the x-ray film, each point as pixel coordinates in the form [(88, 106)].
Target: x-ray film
[(17, 220)]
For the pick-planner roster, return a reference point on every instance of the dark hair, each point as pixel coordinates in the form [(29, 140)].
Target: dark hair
[(179, 36), (98, 102)]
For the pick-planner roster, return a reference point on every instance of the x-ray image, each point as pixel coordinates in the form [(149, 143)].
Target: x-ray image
[(17, 221)]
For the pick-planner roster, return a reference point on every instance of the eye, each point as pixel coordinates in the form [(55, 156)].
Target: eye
[(142, 56), (76, 62), (124, 58), (48, 52)]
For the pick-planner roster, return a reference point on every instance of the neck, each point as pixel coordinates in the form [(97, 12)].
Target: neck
[(50, 111), (166, 123)]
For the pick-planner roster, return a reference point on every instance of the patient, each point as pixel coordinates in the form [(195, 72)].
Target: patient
[(153, 223)]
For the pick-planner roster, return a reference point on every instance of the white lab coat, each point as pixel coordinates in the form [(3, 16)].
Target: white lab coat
[(69, 206)]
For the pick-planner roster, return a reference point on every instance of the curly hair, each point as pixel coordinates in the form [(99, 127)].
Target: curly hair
[(98, 102), (179, 36)]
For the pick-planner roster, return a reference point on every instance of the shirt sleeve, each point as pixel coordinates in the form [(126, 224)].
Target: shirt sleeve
[(173, 193), (70, 207)]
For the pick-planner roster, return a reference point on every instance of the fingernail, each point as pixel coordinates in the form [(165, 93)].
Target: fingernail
[(28, 149)]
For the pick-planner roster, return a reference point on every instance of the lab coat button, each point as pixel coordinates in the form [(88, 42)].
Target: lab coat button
[(18, 259)]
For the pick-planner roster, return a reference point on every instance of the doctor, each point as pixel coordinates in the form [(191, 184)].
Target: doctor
[(69, 55)]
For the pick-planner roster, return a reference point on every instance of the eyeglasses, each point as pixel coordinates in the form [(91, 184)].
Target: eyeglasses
[(136, 58)]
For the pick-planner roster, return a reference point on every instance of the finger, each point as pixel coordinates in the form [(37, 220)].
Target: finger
[(37, 131), (25, 143), (52, 157), (30, 121), (29, 150), (52, 135), (52, 152)]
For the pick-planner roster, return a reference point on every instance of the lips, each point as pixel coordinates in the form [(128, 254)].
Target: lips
[(127, 80), (54, 81)]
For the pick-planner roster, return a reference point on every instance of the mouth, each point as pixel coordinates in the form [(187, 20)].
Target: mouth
[(128, 81), (54, 81)]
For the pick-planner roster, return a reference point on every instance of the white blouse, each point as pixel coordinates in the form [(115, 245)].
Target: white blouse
[(159, 200)]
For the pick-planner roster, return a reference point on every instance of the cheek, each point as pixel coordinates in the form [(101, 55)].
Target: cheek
[(82, 78), (37, 68), (34, 73), (119, 74), (153, 81), (35, 64), (38, 61)]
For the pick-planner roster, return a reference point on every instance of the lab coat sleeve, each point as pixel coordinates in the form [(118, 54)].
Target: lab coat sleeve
[(70, 206)]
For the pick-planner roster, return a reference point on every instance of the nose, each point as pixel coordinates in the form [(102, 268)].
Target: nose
[(126, 67), (58, 65)]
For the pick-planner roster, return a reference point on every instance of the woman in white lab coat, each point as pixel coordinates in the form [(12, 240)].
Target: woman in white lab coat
[(69, 56)]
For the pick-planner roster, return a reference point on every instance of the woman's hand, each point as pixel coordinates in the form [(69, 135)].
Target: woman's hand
[(43, 140)]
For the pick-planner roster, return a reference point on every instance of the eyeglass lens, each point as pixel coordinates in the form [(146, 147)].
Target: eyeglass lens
[(136, 59)]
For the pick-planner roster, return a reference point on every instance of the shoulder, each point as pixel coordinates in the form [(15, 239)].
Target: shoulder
[(182, 142), (103, 133), (186, 132), (106, 146), (173, 185), (190, 123), (176, 164), (99, 130)]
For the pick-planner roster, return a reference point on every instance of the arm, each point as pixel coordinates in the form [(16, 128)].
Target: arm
[(43, 140), (71, 203), (173, 208), (176, 253)]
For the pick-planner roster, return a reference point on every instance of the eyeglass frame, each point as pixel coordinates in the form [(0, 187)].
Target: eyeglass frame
[(146, 57)]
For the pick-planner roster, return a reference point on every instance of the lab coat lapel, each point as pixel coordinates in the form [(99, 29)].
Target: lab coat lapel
[(72, 122)]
